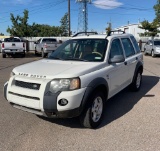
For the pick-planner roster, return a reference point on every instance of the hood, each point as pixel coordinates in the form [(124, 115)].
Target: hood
[(50, 69)]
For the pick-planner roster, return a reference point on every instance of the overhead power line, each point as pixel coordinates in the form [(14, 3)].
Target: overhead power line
[(40, 9)]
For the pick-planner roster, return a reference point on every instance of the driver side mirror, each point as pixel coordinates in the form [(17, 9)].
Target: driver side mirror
[(116, 59), (36, 42)]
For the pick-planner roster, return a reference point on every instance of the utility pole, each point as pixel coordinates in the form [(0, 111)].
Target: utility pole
[(69, 18)]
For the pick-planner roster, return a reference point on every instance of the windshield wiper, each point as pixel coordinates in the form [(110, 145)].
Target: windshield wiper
[(76, 59), (56, 58)]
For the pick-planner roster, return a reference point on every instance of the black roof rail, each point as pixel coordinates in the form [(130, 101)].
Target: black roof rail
[(86, 33), (113, 31)]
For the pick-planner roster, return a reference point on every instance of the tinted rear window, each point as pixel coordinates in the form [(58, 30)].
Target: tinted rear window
[(11, 40), (49, 40)]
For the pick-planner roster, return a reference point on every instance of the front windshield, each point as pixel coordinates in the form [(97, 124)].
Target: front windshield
[(81, 50), (156, 42)]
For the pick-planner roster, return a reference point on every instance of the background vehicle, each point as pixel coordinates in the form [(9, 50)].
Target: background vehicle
[(45, 46), (12, 46), (152, 47), (77, 78)]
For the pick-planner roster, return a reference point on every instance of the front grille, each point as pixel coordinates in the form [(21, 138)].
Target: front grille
[(27, 85)]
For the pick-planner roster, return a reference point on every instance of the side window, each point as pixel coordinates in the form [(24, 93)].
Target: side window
[(116, 49), (135, 44), (129, 50)]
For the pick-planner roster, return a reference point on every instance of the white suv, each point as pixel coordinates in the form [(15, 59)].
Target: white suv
[(77, 78)]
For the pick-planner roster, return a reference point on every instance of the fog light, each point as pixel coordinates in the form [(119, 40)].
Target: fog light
[(62, 102)]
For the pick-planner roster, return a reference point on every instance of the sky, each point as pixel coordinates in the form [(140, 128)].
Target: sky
[(100, 12)]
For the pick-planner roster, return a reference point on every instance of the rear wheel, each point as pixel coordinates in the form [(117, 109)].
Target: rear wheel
[(24, 54), (35, 52), (3, 55), (91, 116), (136, 84)]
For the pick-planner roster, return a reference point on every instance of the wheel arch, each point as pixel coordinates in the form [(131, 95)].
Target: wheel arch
[(139, 66), (98, 84)]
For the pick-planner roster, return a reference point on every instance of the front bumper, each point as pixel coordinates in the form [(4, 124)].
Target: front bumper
[(43, 103)]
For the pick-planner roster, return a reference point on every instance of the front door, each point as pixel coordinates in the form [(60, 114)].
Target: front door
[(118, 72)]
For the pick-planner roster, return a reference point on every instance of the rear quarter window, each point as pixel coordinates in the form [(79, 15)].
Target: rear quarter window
[(49, 40), (135, 44), (128, 47)]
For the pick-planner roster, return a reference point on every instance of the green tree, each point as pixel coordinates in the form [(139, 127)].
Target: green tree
[(151, 29), (1, 34), (157, 13), (65, 25), (42, 30), (20, 26)]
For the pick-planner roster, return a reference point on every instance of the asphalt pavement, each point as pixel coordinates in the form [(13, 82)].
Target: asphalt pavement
[(131, 122)]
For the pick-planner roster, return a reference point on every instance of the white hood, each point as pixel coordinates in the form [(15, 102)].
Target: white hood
[(57, 69)]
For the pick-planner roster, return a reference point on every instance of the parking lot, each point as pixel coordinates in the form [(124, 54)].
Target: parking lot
[(131, 122)]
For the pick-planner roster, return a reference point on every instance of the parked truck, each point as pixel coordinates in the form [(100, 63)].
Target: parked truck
[(12, 46), (45, 46)]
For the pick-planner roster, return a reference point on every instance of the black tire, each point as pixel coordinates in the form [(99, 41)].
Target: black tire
[(152, 54), (137, 81), (87, 118), (35, 52), (3, 55), (24, 54)]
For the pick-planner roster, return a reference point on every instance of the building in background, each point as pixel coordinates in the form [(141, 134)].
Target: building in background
[(132, 29)]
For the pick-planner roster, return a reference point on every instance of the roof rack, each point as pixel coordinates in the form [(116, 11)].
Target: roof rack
[(85, 33), (113, 31)]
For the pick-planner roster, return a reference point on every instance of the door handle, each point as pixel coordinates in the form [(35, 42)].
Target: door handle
[(125, 63)]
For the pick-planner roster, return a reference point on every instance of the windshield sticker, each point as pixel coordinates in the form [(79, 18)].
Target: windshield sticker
[(98, 58)]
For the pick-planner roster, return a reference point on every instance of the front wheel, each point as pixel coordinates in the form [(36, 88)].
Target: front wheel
[(91, 116), (152, 54), (145, 53)]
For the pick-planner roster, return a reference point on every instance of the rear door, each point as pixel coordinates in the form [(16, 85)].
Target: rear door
[(131, 58)]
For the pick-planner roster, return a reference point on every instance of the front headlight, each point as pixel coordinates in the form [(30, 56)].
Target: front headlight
[(64, 85)]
